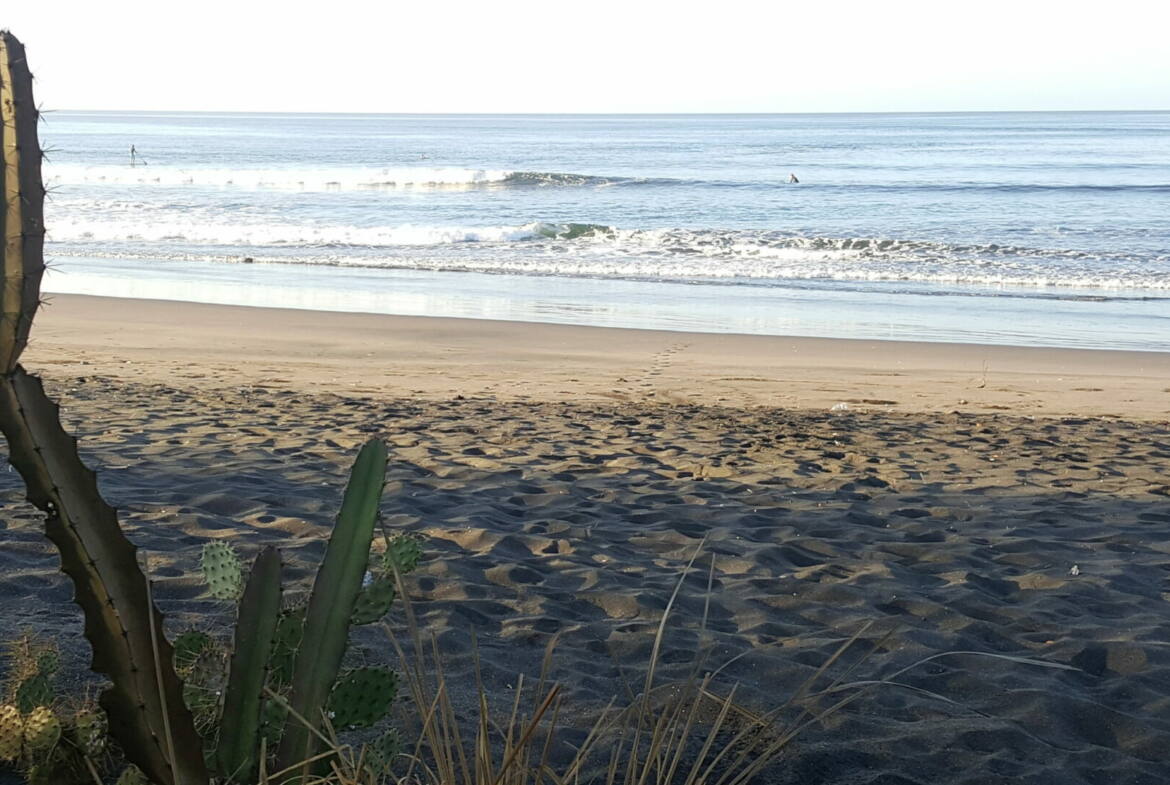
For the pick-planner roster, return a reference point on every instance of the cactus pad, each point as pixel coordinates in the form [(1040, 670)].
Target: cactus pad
[(132, 775), (404, 552), (222, 570), (91, 728), (34, 691), (373, 602), (289, 629), (11, 733), (381, 752), (189, 646), (48, 661), (42, 729), (361, 697), (273, 715)]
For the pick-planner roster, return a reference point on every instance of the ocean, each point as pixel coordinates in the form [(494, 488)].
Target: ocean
[(1045, 229)]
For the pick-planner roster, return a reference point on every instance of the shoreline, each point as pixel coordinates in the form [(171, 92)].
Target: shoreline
[(875, 311), (209, 346)]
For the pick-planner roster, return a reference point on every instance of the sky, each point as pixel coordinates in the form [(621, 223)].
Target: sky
[(599, 56)]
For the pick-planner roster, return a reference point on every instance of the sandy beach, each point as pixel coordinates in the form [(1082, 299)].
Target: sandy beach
[(962, 498)]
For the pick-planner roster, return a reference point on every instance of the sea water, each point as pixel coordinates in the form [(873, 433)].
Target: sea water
[(1049, 229)]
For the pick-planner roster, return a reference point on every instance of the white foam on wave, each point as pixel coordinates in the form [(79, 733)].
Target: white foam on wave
[(265, 234), (583, 250), (307, 179), (795, 266)]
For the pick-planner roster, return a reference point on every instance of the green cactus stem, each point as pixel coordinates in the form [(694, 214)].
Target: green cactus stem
[(239, 730), (335, 590)]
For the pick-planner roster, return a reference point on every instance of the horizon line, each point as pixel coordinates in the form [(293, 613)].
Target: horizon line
[(610, 114)]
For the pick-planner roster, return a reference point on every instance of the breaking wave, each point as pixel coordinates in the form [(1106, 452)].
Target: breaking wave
[(597, 250)]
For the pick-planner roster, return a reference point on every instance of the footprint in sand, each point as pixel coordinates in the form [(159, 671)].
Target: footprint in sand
[(659, 364)]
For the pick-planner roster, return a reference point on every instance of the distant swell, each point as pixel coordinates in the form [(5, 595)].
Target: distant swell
[(370, 178), (453, 177), (260, 235)]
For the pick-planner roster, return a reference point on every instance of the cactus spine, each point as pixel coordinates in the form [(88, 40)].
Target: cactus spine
[(95, 554)]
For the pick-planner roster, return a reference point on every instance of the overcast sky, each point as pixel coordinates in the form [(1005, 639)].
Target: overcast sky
[(596, 56)]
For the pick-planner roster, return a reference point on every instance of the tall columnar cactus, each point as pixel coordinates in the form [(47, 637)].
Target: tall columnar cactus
[(24, 199), (144, 703)]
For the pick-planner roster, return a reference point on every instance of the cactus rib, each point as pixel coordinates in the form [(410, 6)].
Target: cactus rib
[(255, 629), (331, 604)]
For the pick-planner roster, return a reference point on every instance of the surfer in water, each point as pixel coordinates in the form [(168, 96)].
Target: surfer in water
[(792, 178), (135, 158)]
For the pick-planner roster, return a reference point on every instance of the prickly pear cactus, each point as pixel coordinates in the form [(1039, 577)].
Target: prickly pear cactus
[(223, 571), (132, 775), (11, 733), (273, 716), (189, 646), (33, 661), (403, 552), (34, 691), (374, 601), (42, 730), (381, 753), (289, 630), (91, 728), (203, 680), (361, 697)]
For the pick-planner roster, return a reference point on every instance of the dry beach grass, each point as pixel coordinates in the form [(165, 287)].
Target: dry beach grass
[(548, 514)]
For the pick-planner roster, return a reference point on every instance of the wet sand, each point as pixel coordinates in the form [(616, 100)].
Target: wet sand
[(562, 478)]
